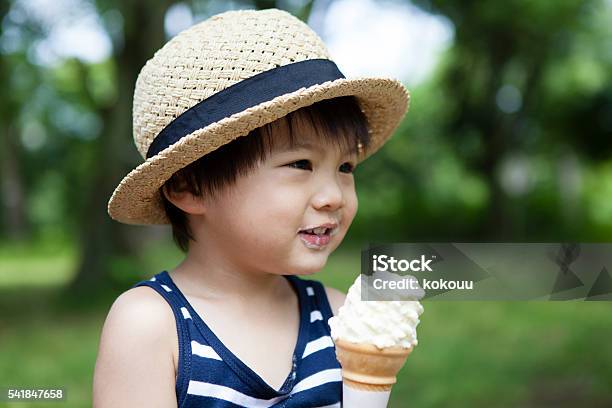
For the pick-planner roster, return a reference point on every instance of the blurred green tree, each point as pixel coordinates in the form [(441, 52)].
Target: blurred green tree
[(494, 143)]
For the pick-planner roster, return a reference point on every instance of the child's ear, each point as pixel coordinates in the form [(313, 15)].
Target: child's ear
[(185, 201)]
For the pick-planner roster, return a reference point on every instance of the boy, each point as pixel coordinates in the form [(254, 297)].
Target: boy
[(251, 135)]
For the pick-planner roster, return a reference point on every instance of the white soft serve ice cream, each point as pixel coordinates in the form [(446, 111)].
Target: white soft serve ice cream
[(382, 323)]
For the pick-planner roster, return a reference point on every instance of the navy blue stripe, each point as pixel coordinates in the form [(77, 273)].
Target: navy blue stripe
[(247, 93), (322, 303), (327, 394), (211, 402)]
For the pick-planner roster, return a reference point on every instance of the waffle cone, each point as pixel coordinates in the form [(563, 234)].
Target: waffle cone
[(367, 367)]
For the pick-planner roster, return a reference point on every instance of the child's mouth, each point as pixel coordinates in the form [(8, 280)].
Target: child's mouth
[(315, 241)]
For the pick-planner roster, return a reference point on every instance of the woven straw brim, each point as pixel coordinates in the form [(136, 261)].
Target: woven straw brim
[(137, 200)]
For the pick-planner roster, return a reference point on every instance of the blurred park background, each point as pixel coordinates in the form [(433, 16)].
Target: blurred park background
[(508, 138)]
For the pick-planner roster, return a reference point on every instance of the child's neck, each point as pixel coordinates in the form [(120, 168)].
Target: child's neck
[(216, 279)]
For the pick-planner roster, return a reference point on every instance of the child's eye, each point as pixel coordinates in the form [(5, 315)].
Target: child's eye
[(348, 166), (299, 163)]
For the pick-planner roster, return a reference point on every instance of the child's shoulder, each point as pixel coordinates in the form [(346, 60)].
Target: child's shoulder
[(144, 302), (334, 296), (141, 312), (136, 348), (135, 352)]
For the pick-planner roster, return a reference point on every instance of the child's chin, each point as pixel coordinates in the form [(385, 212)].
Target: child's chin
[(309, 269)]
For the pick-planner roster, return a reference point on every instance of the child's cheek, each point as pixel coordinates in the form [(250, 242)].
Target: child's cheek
[(351, 205)]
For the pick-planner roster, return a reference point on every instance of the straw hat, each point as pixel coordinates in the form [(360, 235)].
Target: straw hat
[(222, 78)]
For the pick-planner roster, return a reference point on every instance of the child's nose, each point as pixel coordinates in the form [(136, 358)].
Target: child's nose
[(329, 194)]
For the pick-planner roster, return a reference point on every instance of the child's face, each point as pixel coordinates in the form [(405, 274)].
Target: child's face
[(255, 222)]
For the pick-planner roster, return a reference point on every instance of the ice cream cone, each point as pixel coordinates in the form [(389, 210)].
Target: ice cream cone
[(366, 367)]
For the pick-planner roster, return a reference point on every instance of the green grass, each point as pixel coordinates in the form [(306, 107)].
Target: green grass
[(45, 349), (44, 264), (470, 354)]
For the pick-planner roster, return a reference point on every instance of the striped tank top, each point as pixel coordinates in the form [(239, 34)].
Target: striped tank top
[(210, 375)]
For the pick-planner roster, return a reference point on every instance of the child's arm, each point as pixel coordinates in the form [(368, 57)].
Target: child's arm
[(135, 365), (336, 298)]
